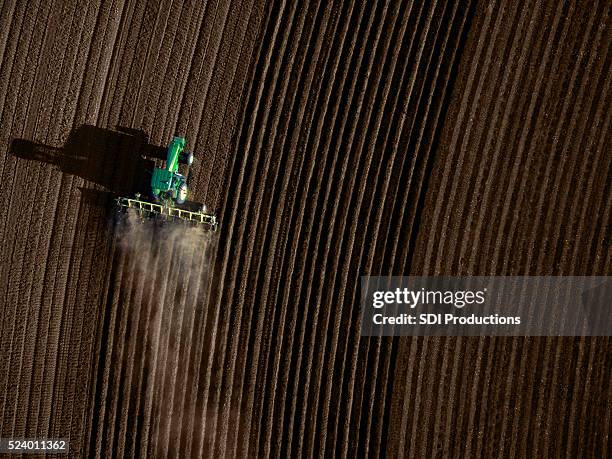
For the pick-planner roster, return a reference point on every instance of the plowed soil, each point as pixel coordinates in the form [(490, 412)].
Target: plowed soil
[(334, 139)]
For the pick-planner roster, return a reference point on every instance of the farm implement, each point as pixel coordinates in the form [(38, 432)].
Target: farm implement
[(167, 194)]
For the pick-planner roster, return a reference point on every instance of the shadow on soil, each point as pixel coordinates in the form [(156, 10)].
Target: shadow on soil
[(112, 159)]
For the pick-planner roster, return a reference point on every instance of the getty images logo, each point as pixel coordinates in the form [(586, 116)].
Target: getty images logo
[(414, 298)]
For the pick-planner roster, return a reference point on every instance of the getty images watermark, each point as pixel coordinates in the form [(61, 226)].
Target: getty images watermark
[(486, 306)]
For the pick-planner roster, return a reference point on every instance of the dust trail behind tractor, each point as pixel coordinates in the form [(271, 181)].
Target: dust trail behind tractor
[(152, 351)]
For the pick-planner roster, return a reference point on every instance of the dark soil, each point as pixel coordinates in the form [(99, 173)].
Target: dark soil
[(334, 139)]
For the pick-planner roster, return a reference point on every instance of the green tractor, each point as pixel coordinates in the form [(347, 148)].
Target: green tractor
[(168, 185), (169, 192)]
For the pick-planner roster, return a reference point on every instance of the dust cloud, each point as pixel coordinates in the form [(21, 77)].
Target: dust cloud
[(164, 276)]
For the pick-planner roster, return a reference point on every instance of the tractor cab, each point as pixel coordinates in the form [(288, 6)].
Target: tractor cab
[(167, 184)]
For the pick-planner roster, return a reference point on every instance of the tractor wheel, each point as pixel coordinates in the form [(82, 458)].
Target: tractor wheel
[(186, 158), (182, 193)]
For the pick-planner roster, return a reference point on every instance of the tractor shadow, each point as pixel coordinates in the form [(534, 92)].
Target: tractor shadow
[(117, 160)]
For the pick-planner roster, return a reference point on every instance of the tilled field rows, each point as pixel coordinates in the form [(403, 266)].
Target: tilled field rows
[(336, 139), (161, 66), (332, 156), (520, 185)]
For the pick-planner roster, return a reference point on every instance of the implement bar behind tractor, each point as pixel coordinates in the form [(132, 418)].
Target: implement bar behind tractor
[(153, 208)]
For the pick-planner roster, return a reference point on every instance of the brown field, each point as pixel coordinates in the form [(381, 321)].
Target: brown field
[(334, 139)]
